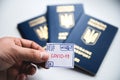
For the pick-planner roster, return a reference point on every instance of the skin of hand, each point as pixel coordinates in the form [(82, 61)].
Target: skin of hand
[(17, 56)]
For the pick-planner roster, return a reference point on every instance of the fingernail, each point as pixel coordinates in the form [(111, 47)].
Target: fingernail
[(21, 77), (45, 56), (30, 70), (24, 77)]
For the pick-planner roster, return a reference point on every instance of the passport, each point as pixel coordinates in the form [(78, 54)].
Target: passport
[(61, 20), (92, 38), (35, 29)]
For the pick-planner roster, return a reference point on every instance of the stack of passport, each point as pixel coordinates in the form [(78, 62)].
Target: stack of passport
[(69, 24)]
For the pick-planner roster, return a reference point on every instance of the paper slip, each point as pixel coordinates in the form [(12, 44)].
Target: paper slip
[(61, 55)]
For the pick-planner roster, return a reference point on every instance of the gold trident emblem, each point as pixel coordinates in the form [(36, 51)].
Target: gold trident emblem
[(90, 36), (66, 20), (42, 32)]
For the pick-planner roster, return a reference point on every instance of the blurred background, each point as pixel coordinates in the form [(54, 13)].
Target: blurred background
[(13, 12)]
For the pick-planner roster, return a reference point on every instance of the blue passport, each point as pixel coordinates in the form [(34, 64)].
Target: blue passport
[(35, 29), (92, 38), (61, 20)]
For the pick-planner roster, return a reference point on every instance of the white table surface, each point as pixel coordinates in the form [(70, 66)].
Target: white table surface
[(13, 12)]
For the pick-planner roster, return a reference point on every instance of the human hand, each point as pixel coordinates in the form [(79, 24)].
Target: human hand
[(15, 54)]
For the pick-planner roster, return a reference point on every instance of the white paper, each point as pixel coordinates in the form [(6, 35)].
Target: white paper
[(61, 55)]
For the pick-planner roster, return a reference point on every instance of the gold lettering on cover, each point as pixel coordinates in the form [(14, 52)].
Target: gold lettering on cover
[(66, 20), (97, 24), (62, 35), (83, 52), (77, 60), (37, 21), (90, 36), (65, 8), (42, 32)]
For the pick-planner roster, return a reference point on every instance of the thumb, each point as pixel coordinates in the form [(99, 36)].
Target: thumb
[(21, 77), (28, 54)]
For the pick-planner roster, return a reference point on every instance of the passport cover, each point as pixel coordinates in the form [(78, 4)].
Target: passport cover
[(61, 20), (35, 29), (92, 38)]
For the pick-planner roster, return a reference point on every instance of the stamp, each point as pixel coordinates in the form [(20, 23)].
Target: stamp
[(49, 64), (66, 47)]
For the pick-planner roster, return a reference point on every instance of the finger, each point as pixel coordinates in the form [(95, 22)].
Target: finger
[(28, 69), (21, 77), (12, 73), (30, 44), (32, 55), (17, 41)]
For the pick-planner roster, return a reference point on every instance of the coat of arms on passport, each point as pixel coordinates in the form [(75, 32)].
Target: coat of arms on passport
[(35, 29), (61, 20), (90, 36), (42, 32), (66, 20), (66, 16)]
